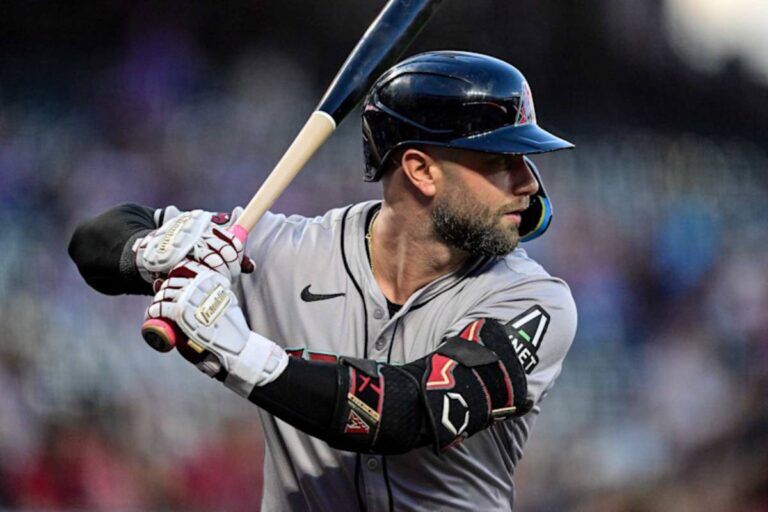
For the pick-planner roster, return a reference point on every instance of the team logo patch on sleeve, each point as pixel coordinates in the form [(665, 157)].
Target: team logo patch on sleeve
[(526, 332)]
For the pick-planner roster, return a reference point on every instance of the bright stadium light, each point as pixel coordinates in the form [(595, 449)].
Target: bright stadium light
[(708, 32)]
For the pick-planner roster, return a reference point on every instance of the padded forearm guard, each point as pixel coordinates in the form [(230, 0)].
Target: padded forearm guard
[(469, 382)]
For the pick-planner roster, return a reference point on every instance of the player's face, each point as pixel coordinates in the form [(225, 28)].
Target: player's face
[(480, 201)]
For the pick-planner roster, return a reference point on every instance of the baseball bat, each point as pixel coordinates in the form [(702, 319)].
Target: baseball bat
[(381, 45)]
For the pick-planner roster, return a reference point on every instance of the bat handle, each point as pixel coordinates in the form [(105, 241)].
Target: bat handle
[(163, 334)]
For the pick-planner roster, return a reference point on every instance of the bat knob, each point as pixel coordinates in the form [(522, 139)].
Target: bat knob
[(159, 334)]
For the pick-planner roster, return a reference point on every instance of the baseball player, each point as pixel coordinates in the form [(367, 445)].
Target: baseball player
[(398, 350)]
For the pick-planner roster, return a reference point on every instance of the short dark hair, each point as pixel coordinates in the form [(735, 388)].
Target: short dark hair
[(392, 161)]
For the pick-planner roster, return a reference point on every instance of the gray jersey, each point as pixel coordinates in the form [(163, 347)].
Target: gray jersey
[(314, 294)]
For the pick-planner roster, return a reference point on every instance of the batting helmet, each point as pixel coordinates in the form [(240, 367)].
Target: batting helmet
[(459, 100)]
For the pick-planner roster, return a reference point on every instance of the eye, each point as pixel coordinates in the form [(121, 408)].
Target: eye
[(498, 164), (496, 161)]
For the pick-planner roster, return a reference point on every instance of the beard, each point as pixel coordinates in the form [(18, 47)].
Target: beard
[(467, 224)]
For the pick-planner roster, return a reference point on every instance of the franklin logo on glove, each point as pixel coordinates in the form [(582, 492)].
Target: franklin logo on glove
[(213, 306), (167, 240)]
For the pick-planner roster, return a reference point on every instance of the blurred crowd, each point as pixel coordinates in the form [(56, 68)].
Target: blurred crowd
[(662, 237)]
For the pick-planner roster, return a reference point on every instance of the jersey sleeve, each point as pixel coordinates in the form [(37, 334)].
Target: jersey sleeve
[(271, 235), (264, 235), (539, 317)]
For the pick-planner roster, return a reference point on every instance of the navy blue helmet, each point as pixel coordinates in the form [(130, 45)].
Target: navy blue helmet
[(459, 100)]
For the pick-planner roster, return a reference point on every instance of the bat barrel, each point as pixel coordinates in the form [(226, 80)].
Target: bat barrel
[(381, 45)]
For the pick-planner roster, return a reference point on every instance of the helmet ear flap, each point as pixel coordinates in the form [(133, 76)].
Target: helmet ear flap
[(537, 218)]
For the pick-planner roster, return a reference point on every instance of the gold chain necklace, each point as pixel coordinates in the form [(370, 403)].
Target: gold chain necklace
[(369, 237)]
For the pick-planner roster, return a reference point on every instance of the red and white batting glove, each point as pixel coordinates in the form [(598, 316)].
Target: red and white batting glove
[(199, 235), (204, 307)]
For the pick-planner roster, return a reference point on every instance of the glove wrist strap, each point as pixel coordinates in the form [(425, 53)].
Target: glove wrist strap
[(260, 362)]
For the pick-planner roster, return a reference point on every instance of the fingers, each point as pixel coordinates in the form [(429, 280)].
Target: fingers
[(163, 303), (223, 252), (187, 269), (168, 291), (162, 309)]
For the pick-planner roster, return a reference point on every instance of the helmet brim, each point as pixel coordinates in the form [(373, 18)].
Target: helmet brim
[(528, 139)]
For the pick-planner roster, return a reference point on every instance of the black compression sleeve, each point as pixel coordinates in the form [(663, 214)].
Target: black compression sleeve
[(304, 395), (307, 395), (100, 247)]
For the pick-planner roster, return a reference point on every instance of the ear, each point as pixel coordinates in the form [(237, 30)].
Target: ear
[(421, 170)]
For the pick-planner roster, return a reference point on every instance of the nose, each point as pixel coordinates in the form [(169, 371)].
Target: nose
[(524, 182)]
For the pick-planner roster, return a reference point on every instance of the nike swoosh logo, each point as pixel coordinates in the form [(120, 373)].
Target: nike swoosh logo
[(308, 296)]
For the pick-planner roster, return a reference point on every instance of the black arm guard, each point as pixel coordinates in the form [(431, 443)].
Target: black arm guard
[(359, 405), (101, 249), (471, 381), (382, 410)]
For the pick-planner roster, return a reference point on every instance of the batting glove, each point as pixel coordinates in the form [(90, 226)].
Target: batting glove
[(204, 307), (197, 234)]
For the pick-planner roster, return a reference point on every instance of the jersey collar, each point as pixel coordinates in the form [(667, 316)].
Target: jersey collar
[(357, 260)]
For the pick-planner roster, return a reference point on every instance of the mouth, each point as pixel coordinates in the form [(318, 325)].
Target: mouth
[(515, 215)]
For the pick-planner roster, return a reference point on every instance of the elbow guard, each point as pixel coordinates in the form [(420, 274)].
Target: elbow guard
[(469, 382)]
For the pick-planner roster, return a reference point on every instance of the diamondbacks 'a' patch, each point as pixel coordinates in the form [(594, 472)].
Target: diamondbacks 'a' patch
[(526, 333)]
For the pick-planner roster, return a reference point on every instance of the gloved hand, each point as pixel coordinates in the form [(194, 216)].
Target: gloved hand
[(200, 235), (202, 304)]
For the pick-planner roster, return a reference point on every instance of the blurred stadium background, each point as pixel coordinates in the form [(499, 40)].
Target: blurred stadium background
[(660, 229)]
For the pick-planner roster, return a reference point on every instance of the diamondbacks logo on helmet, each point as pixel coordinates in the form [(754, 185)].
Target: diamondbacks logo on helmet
[(526, 113)]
